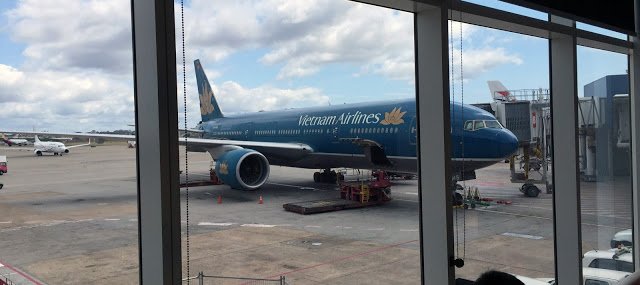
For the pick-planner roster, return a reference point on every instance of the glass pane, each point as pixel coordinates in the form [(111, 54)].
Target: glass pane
[(311, 101), (504, 220), (500, 5), (68, 204), (605, 163), (599, 30)]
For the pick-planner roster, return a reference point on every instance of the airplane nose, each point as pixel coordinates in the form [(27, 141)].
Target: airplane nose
[(507, 143)]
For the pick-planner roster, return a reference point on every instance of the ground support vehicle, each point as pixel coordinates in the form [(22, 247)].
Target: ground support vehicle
[(529, 164), (353, 194)]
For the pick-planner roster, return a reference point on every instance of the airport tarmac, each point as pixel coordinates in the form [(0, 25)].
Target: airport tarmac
[(73, 220)]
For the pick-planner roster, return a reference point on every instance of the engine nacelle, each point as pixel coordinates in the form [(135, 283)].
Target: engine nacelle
[(243, 169)]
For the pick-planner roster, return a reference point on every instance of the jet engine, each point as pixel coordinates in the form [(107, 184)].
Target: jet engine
[(243, 169)]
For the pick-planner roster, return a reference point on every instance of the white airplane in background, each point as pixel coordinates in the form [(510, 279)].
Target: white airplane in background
[(57, 148), (12, 142)]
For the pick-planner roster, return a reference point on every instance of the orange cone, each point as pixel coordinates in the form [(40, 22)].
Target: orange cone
[(260, 201), (219, 199)]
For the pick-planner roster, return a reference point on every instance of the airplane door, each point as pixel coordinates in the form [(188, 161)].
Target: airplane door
[(248, 131), (413, 132)]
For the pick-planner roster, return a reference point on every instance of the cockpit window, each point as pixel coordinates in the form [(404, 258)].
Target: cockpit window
[(480, 124), (468, 126), (493, 124)]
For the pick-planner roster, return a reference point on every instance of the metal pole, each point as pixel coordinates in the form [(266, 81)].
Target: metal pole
[(155, 91), (566, 202), (200, 278), (434, 141), (634, 88)]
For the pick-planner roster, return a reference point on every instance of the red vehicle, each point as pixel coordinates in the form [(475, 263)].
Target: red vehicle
[(3, 164)]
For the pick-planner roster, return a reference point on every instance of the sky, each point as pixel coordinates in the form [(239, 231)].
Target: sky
[(67, 65)]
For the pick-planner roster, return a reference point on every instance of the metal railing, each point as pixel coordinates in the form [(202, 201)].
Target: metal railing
[(4, 280), (534, 95), (226, 280)]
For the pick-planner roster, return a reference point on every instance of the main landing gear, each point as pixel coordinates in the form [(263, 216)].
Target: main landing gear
[(327, 176)]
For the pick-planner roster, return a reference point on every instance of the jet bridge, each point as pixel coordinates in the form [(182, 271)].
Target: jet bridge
[(526, 113), (604, 134), (603, 130)]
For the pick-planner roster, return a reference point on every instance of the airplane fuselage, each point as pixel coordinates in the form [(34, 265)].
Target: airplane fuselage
[(336, 134), (49, 147), (19, 142)]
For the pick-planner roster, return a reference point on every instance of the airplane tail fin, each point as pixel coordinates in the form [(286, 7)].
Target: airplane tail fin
[(208, 105), (498, 91), (36, 139), (6, 141)]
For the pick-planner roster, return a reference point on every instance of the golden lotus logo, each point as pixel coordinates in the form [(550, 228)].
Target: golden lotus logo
[(205, 100), (224, 168), (394, 117)]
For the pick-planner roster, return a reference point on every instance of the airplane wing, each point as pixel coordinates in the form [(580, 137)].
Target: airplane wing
[(216, 147), (77, 145), (82, 135)]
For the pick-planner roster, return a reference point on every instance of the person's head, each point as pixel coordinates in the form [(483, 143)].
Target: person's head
[(497, 278)]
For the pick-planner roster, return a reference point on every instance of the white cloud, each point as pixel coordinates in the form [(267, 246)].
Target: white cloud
[(61, 100), (302, 37), (74, 34), (234, 98), (362, 35), (481, 60), (240, 99)]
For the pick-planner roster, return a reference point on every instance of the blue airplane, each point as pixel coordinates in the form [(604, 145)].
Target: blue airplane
[(374, 135)]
